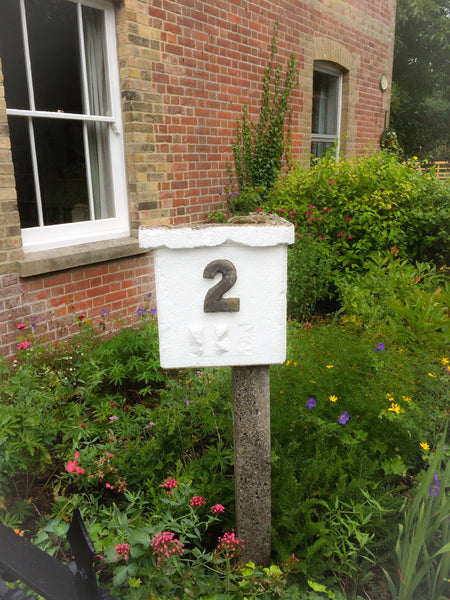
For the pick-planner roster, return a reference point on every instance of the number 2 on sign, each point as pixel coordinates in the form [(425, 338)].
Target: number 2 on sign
[(214, 300)]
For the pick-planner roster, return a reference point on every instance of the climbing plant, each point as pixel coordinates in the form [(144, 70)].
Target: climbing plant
[(263, 148)]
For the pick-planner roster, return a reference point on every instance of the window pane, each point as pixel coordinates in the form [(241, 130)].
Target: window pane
[(319, 149), (96, 65), (23, 171), (325, 103), (12, 55), (101, 175), (54, 52), (62, 170)]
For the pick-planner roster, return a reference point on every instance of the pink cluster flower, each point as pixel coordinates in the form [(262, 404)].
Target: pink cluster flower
[(122, 551), (170, 484), (73, 467), (217, 508), (21, 326), (197, 501), (165, 545), (23, 345), (230, 544)]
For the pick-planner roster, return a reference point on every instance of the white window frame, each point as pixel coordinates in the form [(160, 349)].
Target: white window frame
[(329, 69), (45, 237)]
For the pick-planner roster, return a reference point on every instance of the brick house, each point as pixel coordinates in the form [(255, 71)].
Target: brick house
[(121, 113)]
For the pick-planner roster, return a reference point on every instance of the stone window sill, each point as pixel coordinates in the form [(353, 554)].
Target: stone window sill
[(49, 261)]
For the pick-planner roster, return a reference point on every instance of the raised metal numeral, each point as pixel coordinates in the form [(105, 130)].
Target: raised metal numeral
[(214, 301)]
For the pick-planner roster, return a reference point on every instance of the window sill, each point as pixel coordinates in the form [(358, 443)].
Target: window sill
[(49, 261)]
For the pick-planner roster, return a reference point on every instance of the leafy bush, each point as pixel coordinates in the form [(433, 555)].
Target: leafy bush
[(412, 298), (367, 204)]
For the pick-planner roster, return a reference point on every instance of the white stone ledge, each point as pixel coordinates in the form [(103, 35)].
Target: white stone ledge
[(269, 231)]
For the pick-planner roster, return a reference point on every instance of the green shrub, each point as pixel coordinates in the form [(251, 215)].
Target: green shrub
[(367, 204), (412, 298)]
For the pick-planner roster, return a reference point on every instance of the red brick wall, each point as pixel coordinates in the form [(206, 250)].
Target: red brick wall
[(213, 57), (49, 305)]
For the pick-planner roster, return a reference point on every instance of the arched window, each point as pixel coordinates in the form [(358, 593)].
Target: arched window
[(326, 108)]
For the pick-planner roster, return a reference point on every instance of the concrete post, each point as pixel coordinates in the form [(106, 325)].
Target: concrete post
[(251, 426)]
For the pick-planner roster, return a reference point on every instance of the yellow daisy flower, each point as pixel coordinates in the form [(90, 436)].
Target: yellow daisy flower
[(395, 408), (333, 398), (444, 361), (424, 445), (330, 366), (431, 375)]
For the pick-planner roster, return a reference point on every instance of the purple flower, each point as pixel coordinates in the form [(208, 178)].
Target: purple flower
[(311, 403), (379, 347), (434, 487), (141, 311), (343, 418), (105, 312), (152, 311), (149, 295)]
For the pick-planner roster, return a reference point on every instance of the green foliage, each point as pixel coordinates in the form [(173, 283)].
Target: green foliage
[(420, 110), (261, 148), (84, 425), (367, 204), (412, 298), (349, 480), (310, 267), (423, 549)]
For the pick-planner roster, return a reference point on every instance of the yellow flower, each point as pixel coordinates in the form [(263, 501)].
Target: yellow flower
[(395, 408), (330, 366), (414, 157), (424, 445), (333, 398), (389, 395), (406, 398), (444, 361), (431, 375), (288, 362)]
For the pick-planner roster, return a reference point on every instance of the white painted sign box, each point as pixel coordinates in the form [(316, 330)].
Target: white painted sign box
[(254, 331)]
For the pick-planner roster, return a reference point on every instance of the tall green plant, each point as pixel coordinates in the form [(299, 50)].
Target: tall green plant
[(423, 549), (262, 147)]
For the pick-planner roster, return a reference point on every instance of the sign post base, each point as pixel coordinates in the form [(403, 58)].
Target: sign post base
[(251, 427)]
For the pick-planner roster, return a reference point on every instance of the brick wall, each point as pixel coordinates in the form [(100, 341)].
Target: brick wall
[(50, 304), (186, 69)]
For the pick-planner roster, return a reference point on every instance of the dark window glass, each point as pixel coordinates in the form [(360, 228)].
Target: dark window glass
[(54, 51), (12, 55), (23, 171), (62, 170)]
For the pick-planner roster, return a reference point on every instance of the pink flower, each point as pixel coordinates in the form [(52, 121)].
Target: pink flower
[(197, 501), (23, 345), (21, 326), (170, 484), (81, 317), (122, 551), (165, 545), (230, 544), (331, 181), (73, 467), (217, 508)]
